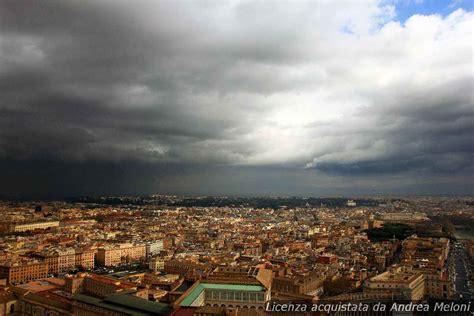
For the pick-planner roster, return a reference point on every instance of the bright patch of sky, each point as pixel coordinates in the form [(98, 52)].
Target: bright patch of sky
[(407, 8)]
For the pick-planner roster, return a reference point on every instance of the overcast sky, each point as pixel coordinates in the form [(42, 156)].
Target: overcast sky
[(236, 97)]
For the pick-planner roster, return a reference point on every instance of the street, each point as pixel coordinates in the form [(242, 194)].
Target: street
[(459, 266)]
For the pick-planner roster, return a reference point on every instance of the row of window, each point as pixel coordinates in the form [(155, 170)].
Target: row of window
[(235, 296)]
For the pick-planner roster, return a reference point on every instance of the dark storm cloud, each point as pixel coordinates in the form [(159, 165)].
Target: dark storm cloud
[(427, 132), (180, 91), (91, 69)]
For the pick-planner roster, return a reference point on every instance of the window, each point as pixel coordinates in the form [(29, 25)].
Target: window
[(252, 297), (225, 295)]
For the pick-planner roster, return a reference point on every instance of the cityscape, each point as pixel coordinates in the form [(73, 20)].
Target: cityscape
[(160, 255), (236, 157)]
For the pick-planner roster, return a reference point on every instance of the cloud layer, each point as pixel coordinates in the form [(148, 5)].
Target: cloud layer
[(319, 88)]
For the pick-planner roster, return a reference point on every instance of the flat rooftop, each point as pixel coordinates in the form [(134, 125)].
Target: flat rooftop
[(389, 276), (191, 297)]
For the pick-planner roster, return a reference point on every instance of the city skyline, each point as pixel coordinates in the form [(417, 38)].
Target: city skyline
[(317, 98)]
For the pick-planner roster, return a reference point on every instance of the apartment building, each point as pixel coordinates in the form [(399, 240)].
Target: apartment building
[(123, 253), (22, 271), (66, 260), (85, 259), (59, 260), (156, 264), (153, 247)]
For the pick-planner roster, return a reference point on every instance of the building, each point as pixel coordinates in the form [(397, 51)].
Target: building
[(301, 284), (8, 301), (327, 259), (63, 260), (189, 269), (118, 304), (33, 226), (403, 217), (224, 295), (66, 260), (248, 249), (246, 287), (400, 282), (425, 252), (59, 260), (167, 282), (42, 298), (438, 285), (428, 256), (156, 264), (109, 256), (97, 285), (85, 259), (52, 260), (101, 295), (123, 253), (22, 271), (153, 247)]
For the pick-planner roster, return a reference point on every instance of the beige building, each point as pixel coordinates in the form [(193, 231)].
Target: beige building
[(108, 256), (404, 217), (33, 226), (66, 260), (58, 260), (123, 253), (157, 264), (402, 283)]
